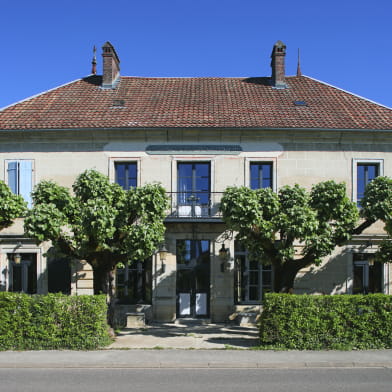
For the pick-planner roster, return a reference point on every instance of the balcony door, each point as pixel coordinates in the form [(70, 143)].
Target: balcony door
[(193, 189)]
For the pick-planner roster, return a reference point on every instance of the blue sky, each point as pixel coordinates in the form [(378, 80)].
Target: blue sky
[(347, 43)]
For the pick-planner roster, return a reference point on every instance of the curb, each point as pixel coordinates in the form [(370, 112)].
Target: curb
[(209, 365)]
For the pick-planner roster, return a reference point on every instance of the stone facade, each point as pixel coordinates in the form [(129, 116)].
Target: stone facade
[(296, 157)]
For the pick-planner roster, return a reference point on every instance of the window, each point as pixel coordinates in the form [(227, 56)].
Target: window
[(20, 178), (134, 282), (252, 279), (364, 171), (261, 175), (368, 275), (126, 174), (193, 188)]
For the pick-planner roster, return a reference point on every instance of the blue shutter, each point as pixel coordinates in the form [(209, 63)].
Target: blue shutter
[(25, 180), (13, 176)]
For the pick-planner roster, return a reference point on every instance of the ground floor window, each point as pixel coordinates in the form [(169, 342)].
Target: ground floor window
[(252, 279), (134, 282), (368, 275), (59, 275), (23, 273)]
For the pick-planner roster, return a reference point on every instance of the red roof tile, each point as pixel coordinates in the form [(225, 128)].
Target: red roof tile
[(139, 102)]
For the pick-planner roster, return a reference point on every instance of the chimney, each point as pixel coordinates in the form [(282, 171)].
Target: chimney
[(111, 66), (278, 66)]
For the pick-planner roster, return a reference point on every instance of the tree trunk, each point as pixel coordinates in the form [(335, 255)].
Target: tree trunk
[(103, 284), (285, 275), (103, 280)]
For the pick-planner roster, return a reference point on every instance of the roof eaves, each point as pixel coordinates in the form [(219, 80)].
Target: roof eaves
[(347, 92), (42, 93), (104, 129)]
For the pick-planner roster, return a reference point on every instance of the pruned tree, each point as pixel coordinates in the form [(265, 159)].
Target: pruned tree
[(101, 223), (377, 205), (11, 206), (290, 229)]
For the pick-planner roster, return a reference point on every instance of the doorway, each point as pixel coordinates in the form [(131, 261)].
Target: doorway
[(193, 278), (23, 275)]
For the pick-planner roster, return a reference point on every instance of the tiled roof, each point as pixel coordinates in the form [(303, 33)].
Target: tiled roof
[(139, 102)]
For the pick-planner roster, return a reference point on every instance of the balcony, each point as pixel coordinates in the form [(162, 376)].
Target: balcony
[(194, 206)]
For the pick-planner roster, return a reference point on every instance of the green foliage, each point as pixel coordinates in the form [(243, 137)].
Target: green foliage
[(271, 225), (11, 206), (384, 253), (377, 200), (310, 322), (54, 321), (377, 204), (102, 223)]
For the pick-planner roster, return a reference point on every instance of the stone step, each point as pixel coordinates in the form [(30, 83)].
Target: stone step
[(135, 320)]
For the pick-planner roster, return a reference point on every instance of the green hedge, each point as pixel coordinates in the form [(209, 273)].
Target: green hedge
[(313, 322), (53, 321)]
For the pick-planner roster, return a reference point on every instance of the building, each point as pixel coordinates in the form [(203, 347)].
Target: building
[(196, 136)]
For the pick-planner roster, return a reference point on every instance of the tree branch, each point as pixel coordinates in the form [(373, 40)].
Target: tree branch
[(364, 225)]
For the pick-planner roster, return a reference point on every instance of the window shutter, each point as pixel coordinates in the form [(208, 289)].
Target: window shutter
[(13, 176), (25, 180)]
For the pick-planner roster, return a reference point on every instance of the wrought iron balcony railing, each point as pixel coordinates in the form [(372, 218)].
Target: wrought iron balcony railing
[(194, 206)]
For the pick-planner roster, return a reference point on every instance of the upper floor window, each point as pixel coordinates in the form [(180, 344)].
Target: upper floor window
[(261, 175), (126, 174), (365, 171), (20, 178)]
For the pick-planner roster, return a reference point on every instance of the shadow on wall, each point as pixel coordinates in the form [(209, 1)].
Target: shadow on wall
[(163, 296), (333, 277)]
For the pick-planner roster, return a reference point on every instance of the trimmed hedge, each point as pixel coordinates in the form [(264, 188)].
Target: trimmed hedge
[(314, 322), (53, 321)]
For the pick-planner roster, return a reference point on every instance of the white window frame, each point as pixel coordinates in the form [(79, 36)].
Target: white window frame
[(193, 159), (365, 264), (260, 286), (112, 167), (355, 163), (272, 161), (174, 176)]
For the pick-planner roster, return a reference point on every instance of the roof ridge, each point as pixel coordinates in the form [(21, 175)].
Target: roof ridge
[(193, 77)]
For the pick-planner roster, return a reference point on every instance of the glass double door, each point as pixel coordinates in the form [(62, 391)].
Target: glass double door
[(193, 189), (193, 278)]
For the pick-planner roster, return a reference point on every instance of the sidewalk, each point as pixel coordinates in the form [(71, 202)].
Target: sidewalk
[(217, 359), (192, 346)]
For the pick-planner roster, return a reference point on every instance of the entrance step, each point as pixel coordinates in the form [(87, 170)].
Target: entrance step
[(192, 322), (121, 312), (135, 320)]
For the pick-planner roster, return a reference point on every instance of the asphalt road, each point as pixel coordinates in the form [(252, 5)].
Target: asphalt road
[(197, 380)]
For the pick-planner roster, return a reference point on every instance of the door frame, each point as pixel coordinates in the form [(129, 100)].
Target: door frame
[(193, 292)]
